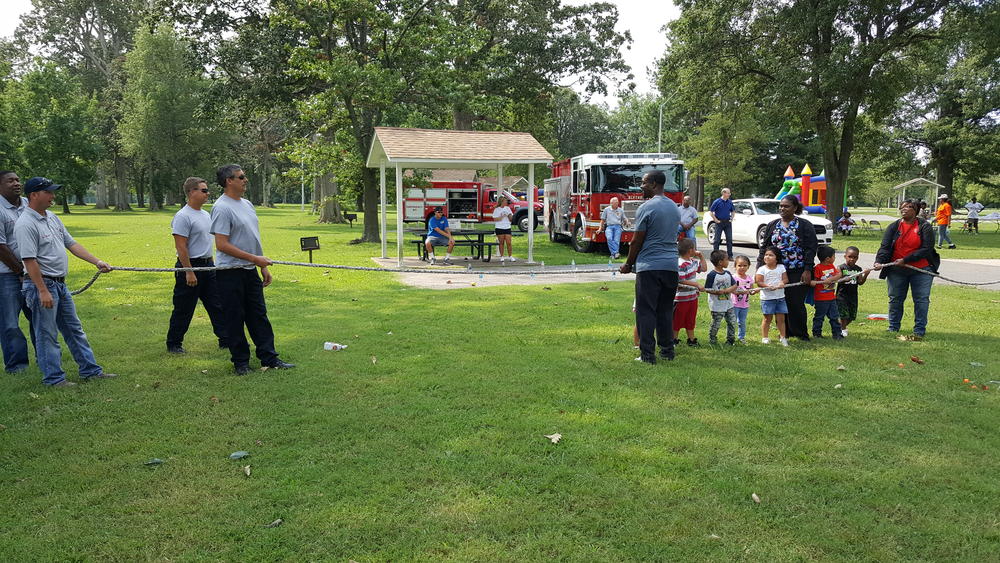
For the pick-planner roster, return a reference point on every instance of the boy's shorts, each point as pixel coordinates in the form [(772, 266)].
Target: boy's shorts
[(685, 313), (774, 306), (848, 310), (437, 241)]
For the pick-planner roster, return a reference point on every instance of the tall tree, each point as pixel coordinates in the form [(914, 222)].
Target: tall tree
[(55, 125), (824, 62), (90, 37), (160, 127)]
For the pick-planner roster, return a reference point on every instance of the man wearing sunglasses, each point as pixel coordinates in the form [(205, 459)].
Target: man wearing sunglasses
[(241, 290), (190, 227)]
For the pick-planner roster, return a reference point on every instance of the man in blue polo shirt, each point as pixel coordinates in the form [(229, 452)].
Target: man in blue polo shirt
[(12, 304), (722, 215)]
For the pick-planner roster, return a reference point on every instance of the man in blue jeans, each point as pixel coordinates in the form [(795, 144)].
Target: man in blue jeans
[(722, 215), (42, 241), (15, 346), (689, 218)]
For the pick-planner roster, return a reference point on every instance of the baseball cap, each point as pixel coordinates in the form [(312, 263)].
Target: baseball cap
[(38, 184), (943, 196), (438, 208)]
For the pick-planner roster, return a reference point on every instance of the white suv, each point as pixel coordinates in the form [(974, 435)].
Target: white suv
[(751, 216)]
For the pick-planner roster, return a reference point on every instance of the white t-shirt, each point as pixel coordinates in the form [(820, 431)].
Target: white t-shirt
[(974, 209), (502, 215), (772, 277)]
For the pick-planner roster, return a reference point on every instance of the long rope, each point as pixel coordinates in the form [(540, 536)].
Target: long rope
[(468, 271)]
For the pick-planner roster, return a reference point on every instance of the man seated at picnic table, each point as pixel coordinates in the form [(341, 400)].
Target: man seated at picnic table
[(438, 234)]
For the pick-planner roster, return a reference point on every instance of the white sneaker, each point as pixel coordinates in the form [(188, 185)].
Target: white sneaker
[(784, 342), (765, 340), (503, 258), (433, 261), (512, 259), (844, 333)]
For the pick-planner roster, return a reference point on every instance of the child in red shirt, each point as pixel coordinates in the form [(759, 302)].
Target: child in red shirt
[(825, 276)]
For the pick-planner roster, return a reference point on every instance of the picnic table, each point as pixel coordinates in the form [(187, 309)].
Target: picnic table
[(474, 239)]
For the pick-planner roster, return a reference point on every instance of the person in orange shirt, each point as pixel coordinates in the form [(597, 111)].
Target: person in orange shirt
[(943, 218)]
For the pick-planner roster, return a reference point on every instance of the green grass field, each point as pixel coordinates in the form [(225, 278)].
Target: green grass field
[(425, 438)]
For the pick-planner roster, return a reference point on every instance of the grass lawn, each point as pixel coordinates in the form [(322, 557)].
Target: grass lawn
[(424, 439)]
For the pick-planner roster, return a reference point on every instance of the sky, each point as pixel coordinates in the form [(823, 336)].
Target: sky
[(643, 18)]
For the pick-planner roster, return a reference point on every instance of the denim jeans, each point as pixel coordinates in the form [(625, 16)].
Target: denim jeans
[(48, 323), (15, 346), (942, 236), (690, 233), (614, 236), (717, 317), (724, 227), (741, 318), (827, 310), (899, 281)]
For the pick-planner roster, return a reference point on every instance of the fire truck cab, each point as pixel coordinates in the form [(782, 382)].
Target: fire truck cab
[(581, 187)]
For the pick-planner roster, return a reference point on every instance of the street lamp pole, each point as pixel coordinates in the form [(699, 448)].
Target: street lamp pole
[(659, 132)]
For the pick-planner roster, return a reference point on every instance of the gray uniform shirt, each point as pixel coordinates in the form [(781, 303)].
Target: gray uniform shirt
[(8, 216), (238, 220), (44, 238), (194, 224), (613, 216), (659, 218), (688, 215)]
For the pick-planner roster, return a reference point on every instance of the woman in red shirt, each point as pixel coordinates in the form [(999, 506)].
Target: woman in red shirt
[(910, 241)]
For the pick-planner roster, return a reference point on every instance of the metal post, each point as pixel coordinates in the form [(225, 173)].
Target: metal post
[(399, 215), (302, 189), (381, 200), (659, 130), (531, 213)]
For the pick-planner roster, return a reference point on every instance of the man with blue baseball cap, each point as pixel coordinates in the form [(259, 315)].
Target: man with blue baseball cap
[(42, 241)]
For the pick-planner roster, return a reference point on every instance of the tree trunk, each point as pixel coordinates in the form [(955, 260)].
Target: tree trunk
[(945, 164), (78, 199), (121, 192), (370, 182), (266, 185), (101, 188), (331, 205), (65, 203), (462, 120)]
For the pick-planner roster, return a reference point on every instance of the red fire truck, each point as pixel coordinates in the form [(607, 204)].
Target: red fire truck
[(465, 201), (582, 186)]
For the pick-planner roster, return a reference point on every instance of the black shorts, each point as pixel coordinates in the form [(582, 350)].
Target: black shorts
[(501, 231)]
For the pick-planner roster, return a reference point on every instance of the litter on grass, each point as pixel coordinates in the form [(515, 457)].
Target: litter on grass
[(878, 317), (239, 455), (554, 438), (154, 461), (333, 346), (275, 524)]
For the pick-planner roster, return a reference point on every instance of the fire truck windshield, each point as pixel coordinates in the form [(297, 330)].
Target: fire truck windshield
[(622, 178)]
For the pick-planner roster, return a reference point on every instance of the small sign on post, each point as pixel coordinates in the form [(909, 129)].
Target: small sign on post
[(310, 244)]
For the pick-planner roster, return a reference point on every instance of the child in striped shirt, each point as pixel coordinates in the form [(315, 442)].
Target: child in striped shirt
[(689, 262)]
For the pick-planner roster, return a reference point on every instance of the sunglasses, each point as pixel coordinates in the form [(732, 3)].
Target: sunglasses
[(204, 190), (240, 177)]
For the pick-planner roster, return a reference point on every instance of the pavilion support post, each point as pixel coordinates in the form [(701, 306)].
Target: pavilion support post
[(531, 213), (399, 215), (382, 212)]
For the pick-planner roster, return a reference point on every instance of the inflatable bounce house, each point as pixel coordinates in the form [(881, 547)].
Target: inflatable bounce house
[(811, 190)]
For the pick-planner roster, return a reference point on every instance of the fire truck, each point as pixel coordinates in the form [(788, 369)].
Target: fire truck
[(582, 186), (468, 202)]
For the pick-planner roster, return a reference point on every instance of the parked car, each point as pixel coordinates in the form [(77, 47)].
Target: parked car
[(751, 217)]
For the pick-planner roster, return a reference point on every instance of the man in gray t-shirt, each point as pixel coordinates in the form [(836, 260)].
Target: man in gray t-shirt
[(42, 242), (653, 254), (241, 290), (193, 241)]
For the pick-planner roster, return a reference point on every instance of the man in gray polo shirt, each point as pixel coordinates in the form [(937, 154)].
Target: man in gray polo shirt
[(15, 346), (653, 253), (42, 241), (241, 290), (193, 241)]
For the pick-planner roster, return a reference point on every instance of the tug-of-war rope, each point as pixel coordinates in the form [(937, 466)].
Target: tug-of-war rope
[(468, 271)]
